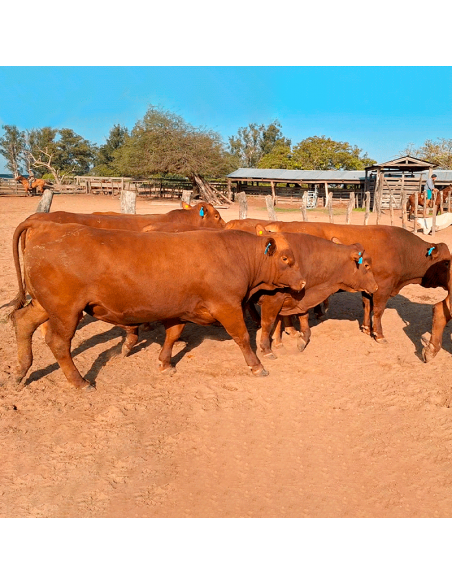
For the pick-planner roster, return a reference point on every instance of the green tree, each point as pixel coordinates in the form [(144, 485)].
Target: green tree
[(163, 142), (321, 153), (59, 152), (12, 145), (105, 157), (439, 152), (280, 156), (255, 141)]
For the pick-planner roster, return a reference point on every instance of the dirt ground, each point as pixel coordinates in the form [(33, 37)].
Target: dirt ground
[(349, 428)]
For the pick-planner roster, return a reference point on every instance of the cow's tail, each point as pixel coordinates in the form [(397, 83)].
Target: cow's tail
[(19, 301)]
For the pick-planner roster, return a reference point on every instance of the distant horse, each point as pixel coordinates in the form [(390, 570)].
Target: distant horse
[(37, 186), (438, 199)]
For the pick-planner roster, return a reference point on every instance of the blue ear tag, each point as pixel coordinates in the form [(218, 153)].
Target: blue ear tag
[(360, 261), (429, 253), (201, 211), (268, 247)]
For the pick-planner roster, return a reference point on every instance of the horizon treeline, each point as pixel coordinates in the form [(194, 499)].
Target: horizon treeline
[(162, 143)]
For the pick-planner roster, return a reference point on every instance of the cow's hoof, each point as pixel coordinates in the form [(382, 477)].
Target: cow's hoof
[(301, 344), (168, 370), (270, 356), (381, 340), (429, 353), (261, 372), (365, 329), (89, 388)]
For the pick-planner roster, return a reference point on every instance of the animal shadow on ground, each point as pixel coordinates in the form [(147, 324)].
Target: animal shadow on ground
[(193, 335), (417, 318)]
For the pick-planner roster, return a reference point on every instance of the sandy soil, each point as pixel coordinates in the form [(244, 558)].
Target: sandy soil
[(349, 428)]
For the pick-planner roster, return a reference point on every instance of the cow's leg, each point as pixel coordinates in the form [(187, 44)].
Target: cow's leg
[(173, 332), (289, 326), (130, 341), (26, 321), (366, 327), (59, 335), (270, 307), (232, 319), (379, 301), (253, 312), (305, 332), (441, 316)]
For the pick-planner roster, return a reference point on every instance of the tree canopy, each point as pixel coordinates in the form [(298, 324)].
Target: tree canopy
[(439, 152), (255, 141), (105, 156), (163, 142)]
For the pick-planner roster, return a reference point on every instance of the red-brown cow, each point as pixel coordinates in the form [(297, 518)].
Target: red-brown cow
[(327, 267), (398, 258), (127, 278), (201, 215)]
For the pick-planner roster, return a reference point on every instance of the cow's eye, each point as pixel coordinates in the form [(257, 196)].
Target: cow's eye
[(285, 259)]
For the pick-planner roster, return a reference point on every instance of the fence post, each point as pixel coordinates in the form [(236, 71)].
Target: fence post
[(330, 207), (435, 208), (128, 202), (366, 214), (270, 208), (45, 202), (378, 203), (243, 205), (425, 205), (391, 209), (404, 225), (185, 198), (416, 202), (350, 206), (303, 206)]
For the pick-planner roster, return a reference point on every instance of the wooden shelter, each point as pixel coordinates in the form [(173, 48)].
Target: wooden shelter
[(406, 174)]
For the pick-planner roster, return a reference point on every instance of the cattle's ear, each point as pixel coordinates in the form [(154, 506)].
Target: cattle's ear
[(260, 230), (432, 251), (270, 247), (185, 205), (357, 253), (336, 240)]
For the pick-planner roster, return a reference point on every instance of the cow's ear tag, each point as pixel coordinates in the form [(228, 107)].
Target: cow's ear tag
[(269, 244), (185, 205), (429, 252), (360, 261), (201, 211)]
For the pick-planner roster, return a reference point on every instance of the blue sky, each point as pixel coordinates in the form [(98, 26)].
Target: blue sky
[(380, 109)]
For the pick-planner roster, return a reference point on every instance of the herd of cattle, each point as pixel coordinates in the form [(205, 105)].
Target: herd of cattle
[(190, 266)]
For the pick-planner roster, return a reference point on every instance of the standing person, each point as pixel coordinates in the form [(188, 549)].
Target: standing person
[(429, 186), (31, 178)]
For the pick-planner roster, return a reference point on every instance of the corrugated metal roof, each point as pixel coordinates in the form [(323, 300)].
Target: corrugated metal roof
[(284, 175), (287, 175)]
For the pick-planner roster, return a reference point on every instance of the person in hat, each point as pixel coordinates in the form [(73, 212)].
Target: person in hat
[(430, 185)]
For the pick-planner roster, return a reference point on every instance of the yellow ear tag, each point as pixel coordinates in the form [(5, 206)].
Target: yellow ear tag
[(260, 232)]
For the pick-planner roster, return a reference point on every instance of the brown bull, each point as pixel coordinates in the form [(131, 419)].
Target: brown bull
[(127, 278), (398, 258), (327, 267), (201, 215)]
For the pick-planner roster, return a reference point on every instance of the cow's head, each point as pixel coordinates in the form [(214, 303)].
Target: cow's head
[(207, 214), (358, 277), (438, 271), (285, 270)]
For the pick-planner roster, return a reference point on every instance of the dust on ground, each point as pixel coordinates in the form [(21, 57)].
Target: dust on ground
[(349, 428)]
